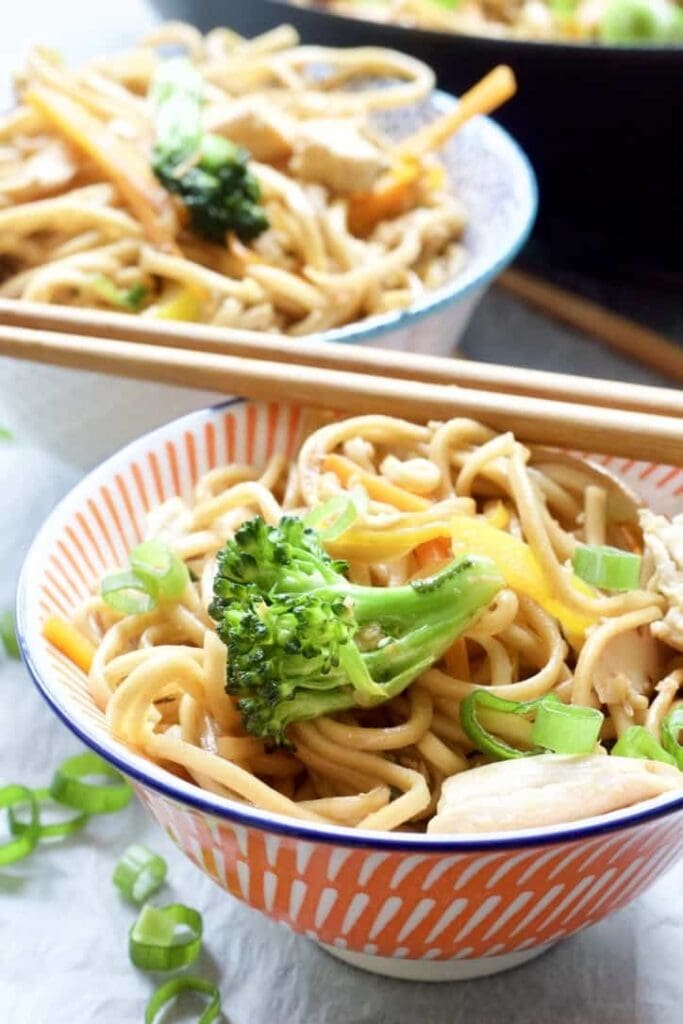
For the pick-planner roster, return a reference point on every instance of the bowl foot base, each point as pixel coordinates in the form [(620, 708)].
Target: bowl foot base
[(435, 970)]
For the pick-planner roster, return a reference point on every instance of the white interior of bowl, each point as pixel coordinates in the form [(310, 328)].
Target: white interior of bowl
[(56, 578)]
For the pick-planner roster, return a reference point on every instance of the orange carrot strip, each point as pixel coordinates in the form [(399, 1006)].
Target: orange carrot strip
[(118, 161), (433, 552), (457, 661), (378, 488), (70, 641), (392, 195)]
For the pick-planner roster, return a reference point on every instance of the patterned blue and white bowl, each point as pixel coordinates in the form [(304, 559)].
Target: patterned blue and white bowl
[(84, 417)]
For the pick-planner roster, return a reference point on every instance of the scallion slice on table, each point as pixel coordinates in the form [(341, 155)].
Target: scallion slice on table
[(160, 568), (70, 786), (558, 727), (175, 987), (154, 942), (139, 873), (566, 729), (672, 726), (56, 829), (13, 796), (638, 742), (5, 434), (8, 634), (607, 567)]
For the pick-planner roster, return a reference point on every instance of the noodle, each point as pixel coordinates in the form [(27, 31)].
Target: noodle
[(160, 677), (79, 201)]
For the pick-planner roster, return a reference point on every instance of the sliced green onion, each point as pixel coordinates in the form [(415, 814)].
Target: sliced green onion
[(154, 943), (8, 634), (5, 434), (128, 593), (606, 567), (483, 739), (566, 728), (638, 742), (124, 298), (69, 786), (671, 730), (170, 989), (65, 827), (16, 849), (139, 873), (160, 569), (340, 510)]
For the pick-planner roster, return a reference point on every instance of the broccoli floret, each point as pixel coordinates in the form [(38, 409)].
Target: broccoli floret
[(210, 174), (303, 641)]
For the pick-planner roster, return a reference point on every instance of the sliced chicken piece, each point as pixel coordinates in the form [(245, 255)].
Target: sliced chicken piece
[(46, 171), (249, 122), (664, 551), (548, 789), (338, 155), (629, 666)]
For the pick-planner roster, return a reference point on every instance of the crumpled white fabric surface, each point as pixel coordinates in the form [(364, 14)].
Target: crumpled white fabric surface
[(63, 926)]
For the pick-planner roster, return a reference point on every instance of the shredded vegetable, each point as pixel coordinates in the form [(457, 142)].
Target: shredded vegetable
[(8, 634), (23, 842), (607, 567), (156, 941), (53, 830), (566, 729), (638, 742), (170, 989), (70, 786), (70, 641), (139, 873)]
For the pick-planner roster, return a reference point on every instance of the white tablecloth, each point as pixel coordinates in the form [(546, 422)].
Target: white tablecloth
[(63, 927)]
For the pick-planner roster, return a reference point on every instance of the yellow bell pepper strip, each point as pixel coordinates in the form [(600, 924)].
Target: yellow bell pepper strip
[(178, 304), (368, 544), (117, 160), (520, 569), (376, 486), (498, 515), (70, 641)]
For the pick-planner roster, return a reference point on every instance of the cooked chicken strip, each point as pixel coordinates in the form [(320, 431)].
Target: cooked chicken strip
[(338, 155), (664, 547), (548, 789)]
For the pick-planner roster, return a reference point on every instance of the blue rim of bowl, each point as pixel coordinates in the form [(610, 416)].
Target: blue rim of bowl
[(457, 290), (250, 817)]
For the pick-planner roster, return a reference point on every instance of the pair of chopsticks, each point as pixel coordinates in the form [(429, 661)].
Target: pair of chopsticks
[(630, 420)]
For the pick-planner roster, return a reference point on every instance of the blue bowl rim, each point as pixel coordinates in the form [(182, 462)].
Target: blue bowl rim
[(366, 331), (250, 817)]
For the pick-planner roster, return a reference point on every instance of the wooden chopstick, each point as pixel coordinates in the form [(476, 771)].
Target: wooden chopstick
[(354, 358), (634, 435), (618, 332)]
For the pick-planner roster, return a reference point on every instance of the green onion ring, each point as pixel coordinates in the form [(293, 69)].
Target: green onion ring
[(566, 728), (160, 569), (671, 729), (340, 509), (607, 567), (22, 845), (151, 944), (139, 873), (56, 829), (485, 741), (69, 788), (170, 989), (128, 593), (638, 742), (8, 635)]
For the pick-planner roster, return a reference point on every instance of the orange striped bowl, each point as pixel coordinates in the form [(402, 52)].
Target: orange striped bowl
[(423, 907)]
